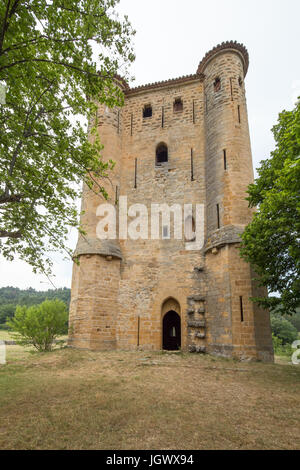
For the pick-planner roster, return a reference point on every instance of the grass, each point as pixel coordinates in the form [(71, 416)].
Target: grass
[(70, 399), (15, 352), (5, 335)]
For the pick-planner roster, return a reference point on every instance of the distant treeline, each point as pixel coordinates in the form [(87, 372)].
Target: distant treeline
[(293, 319), (10, 297)]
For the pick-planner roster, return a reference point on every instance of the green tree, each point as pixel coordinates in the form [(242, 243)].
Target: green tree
[(49, 66), (6, 311), (271, 240), (39, 325), (295, 320), (10, 297), (283, 330)]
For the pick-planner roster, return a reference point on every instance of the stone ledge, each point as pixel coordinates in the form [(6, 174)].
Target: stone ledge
[(200, 335), (195, 298), (94, 246), (197, 349), (227, 235), (196, 324), (190, 311)]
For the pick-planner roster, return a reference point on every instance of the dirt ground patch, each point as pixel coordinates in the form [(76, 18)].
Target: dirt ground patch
[(71, 399)]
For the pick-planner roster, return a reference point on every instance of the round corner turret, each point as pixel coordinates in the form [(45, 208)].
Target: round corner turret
[(228, 46)]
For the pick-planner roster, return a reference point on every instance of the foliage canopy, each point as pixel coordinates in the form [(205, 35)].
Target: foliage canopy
[(283, 330), (57, 59), (271, 242)]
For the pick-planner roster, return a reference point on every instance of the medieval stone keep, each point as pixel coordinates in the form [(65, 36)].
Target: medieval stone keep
[(183, 140)]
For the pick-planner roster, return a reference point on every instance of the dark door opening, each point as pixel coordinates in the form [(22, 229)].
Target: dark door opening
[(171, 331)]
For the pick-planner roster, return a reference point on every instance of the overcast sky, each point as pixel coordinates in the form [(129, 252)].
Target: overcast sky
[(172, 37)]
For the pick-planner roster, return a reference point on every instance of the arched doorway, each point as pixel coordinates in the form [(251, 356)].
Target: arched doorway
[(171, 331)]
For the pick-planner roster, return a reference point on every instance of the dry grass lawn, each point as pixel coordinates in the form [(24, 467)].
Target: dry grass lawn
[(72, 399)]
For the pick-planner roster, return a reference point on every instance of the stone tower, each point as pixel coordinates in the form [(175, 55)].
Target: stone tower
[(181, 141)]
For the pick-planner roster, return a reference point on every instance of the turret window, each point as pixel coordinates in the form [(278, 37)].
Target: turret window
[(218, 216), (217, 84), (147, 111), (241, 309), (178, 105), (239, 114), (161, 154), (225, 159)]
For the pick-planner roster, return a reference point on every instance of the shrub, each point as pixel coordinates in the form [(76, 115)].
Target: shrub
[(283, 330), (39, 325), (281, 349)]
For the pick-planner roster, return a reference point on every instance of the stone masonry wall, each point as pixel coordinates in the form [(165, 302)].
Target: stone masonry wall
[(122, 289), (229, 171), (154, 270)]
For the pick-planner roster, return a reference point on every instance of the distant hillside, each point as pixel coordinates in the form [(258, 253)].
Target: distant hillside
[(10, 297), (293, 319)]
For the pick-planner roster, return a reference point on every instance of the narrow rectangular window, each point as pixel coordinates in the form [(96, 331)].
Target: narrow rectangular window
[(135, 173), (206, 105), (162, 117), (225, 159), (138, 331), (131, 124), (239, 113), (118, 122), (231, 91), (192, 165), (241, 309), (193, 111), (166, 235), (218, 215)]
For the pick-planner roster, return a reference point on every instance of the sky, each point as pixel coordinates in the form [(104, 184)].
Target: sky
[(172, 36)]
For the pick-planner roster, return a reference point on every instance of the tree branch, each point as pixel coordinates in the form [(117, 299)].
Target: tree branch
[(4, 25), (43, 36), (75, 10), (64, 64), (8, 14), (6, 234), (11, 198)]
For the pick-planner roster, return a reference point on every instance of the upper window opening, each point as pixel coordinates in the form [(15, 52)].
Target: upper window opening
[(178, 104), (161, 154), (147, 111), (240, 81), (217, 84)]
